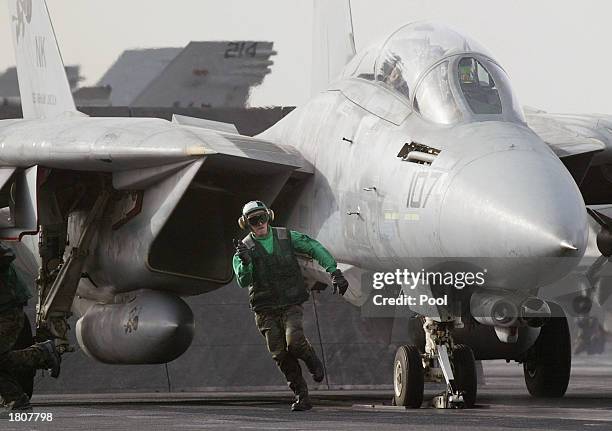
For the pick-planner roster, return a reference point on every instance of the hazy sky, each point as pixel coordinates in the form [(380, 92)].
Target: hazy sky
[(556, 52)]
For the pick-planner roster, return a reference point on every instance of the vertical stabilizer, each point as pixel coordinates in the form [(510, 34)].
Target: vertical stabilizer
[(43, 84), (333, 41)]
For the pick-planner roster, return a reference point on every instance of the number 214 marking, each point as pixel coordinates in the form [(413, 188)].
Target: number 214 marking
[(241, 49)]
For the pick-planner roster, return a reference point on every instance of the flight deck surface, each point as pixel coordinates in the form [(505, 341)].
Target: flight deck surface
[(503, 403)]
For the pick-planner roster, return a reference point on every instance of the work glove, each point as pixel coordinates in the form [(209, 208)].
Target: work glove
[(339, 282), (243, 252)]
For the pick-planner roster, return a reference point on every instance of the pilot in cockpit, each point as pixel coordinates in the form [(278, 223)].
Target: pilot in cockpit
[(467, 72), (392, 75)]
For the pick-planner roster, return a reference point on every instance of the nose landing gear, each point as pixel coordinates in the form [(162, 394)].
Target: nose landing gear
[(442, 362), (408, 383), (548, 362)]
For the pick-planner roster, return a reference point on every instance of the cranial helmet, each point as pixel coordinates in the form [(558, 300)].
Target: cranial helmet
[(251, 208)]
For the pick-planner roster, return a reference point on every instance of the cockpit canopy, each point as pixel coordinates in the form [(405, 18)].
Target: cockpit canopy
[(446, 76)]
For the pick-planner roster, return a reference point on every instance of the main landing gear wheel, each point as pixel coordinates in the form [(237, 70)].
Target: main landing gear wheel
[(549, 361), (408, 380), (466, 379), (25, 377)]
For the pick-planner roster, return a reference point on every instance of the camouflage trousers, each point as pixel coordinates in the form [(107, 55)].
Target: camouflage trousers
[(11, 361), (284, 333)]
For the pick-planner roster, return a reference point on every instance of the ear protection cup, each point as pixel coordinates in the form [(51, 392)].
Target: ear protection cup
[(271, 215)]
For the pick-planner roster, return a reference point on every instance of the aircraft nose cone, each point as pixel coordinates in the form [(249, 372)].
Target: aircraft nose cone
[(521, 210)]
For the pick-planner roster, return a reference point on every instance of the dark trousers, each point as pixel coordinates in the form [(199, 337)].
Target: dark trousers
[(283, 330), (11, 361)]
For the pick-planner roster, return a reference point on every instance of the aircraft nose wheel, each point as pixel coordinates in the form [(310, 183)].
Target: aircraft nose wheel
[(466, 379), (408, 380), (548, 362)]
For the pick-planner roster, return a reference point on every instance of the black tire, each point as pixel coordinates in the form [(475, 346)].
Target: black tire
[(408, 379), (26, 377), (466, 378), (549, 361)]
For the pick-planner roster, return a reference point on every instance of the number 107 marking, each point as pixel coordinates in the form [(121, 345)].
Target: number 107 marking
[(421, 187)]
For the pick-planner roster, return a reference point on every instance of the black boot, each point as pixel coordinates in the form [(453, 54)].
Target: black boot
[(315, 366), (52, 357), (302, 400), (22, 405)]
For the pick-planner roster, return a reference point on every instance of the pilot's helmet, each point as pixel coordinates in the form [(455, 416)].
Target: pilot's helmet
[(391, 65)]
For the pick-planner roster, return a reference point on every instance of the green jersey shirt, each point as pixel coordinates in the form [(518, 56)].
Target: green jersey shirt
[(301, 243)]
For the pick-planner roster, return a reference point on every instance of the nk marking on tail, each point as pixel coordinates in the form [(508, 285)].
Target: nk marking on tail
[(41, 59), (43, 85), (24, 13)]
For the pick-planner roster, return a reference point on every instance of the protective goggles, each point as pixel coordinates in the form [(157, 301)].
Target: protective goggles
[(256, 220)]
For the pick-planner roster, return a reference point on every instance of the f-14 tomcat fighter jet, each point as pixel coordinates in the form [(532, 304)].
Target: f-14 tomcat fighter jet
[(418, 157)]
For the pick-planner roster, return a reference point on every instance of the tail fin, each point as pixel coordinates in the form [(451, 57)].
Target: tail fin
[(333, 41), (43, 84)]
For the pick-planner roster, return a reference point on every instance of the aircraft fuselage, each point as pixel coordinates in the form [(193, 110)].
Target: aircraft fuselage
[(495, 194)]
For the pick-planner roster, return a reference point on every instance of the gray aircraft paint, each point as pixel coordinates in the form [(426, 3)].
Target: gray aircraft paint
[(494, 191)]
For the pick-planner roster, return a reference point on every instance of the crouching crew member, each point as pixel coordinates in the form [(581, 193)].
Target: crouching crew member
[(265, 262), (13, 297)]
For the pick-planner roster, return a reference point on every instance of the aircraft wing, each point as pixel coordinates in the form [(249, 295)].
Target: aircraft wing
[(562, 138), (584, 145), (138, 154)]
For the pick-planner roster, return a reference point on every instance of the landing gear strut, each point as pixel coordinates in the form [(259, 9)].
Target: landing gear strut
[(58, 280)]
